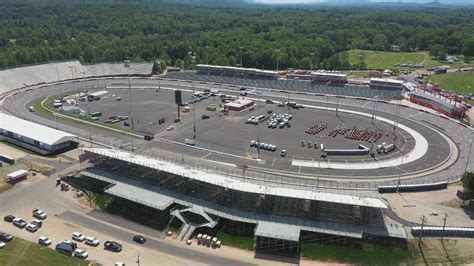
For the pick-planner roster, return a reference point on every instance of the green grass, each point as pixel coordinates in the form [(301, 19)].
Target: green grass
[(101, 200), (243, 242), (20, 252), (370, 254), (69, 119), (460, 82), (387, 60)]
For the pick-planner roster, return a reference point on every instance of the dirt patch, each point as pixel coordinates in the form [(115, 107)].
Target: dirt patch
[(448, 251), (22, 164)]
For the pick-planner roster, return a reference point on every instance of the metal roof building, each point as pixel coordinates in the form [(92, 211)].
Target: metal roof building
[(35, 137), (272, 213)]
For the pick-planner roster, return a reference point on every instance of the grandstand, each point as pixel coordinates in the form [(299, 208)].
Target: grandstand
[(439, 103), (207, 201), (20, 77), (291, 85), (236, 72)]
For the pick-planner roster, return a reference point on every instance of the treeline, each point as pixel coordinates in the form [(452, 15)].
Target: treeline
[(185, 35)]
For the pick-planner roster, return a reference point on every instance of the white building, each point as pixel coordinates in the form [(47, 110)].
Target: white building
[(35, 137)]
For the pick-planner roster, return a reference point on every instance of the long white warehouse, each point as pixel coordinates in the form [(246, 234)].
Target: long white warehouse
[(35, 137)]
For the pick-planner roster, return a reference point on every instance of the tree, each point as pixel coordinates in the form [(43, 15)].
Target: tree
[(438, 51), (468, 48), (380, 42), (467, 181)]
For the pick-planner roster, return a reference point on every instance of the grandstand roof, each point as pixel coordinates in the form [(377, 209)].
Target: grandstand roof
[(235, 183), (438, 99), (33, 131), (159, 198), (278, 230), (395, 81)]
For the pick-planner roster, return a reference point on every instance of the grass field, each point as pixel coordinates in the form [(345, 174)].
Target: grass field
[(431, 252), (387, 60), (19, 252), (370, 254), (460, 82), (243, 242)]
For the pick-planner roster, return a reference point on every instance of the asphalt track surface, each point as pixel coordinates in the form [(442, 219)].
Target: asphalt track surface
[(427, 124)]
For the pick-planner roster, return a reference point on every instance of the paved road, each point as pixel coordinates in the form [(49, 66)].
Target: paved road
[(41, 192), (124, 236)]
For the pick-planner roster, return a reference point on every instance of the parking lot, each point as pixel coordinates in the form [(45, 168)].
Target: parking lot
[(66, 215), (301, 137)]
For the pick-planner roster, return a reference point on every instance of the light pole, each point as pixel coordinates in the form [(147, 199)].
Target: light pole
[(194, 114), (400, 175), (375, 107), (468, 152), (397, 113)]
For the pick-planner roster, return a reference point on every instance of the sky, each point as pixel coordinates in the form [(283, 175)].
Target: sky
[(354, 1)]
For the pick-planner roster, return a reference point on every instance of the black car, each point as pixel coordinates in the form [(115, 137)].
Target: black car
[(139, 239), (4, 237), (9, 218), (204, 117), (66, 247), (112, 246)]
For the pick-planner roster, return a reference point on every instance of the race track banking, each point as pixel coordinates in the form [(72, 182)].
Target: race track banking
[(445, 157)]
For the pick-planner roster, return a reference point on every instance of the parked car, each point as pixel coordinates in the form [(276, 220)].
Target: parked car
[(66, 247), (283, 153), (40, 214), (44, 241), (204, 117), (31, 228), (37, 222), (20, 223), (92, 241), (112, 246), (82, 254), (78, 236), (9, 218), (4, 237), (169, 128), (139, 239)]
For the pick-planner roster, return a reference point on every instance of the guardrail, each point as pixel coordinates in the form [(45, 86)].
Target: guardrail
[(413, 187), (438, 231)]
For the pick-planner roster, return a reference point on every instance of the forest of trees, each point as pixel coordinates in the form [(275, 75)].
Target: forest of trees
[(182, 35)]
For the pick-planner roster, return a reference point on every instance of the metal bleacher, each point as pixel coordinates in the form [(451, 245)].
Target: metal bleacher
[(292, 85), (20, 77)]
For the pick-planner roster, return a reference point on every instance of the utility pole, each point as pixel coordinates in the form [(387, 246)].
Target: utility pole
[(421, 231), (444, 225)]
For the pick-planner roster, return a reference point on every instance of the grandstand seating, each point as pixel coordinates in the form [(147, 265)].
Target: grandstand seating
[(15, 78), (292, 85)]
